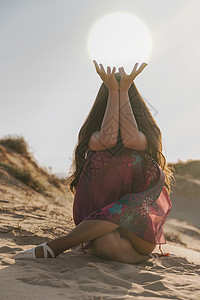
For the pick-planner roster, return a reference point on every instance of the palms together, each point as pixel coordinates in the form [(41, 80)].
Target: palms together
[(125, 81)]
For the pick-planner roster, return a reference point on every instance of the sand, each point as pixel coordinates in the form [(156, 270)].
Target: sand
[(74, 275), (29, 218)]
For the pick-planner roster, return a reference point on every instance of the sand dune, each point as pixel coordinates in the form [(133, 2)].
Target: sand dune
[(29, 217)]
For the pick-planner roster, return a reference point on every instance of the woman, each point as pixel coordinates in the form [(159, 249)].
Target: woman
[(122, 185)]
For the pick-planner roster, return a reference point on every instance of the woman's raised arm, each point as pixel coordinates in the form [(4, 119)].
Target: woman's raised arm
[(107, 136), (131, 136)]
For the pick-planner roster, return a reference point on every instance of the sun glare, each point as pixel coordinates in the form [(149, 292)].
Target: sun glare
[(120, 39)]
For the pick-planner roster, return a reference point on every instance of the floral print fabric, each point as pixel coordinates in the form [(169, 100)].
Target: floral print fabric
[(126, 188)]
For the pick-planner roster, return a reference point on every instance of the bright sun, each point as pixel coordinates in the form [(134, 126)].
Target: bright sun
[(120, 39)]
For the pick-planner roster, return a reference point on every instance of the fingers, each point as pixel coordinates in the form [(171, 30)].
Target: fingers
[(142, 67), (108, 70), (96, 66), (121, 71), (134, 68), (113, 71), (101, 70), (135, 71)]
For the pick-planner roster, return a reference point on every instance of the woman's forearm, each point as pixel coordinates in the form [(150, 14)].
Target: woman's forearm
[(128, 126), (110, 124)]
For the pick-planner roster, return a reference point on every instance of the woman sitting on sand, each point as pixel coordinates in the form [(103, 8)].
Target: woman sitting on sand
[(120, 180)]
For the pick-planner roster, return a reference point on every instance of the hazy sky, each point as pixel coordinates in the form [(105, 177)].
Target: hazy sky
[(48, 81)]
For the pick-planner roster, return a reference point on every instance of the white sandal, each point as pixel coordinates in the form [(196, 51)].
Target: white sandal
[(30, 253), (153, 255)]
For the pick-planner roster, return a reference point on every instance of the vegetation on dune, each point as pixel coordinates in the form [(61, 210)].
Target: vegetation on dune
[(20, 146), (16, 143), (54, 180), (189, 168), (24, 176)]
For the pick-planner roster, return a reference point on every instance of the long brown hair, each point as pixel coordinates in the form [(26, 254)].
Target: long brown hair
[(145, 123)]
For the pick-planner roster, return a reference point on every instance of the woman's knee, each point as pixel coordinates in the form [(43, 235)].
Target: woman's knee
[(112, 246), (107, 244)]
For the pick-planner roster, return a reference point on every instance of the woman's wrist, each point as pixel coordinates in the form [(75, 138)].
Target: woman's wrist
[(113, 90), (123, 90)]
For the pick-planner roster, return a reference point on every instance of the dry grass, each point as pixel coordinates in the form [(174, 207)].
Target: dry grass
[(189, 168), (16, 143), (53, 179), (24, 176)]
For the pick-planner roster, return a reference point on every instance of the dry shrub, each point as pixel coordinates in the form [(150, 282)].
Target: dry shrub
[(16, 143), (25, 177)]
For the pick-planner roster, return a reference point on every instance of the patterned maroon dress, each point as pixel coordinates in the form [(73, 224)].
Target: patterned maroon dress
[(126, 187)]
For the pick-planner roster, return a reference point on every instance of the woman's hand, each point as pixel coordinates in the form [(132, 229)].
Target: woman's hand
[(126, 80), (108, 78)]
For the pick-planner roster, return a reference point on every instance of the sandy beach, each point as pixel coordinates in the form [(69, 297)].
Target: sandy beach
[(29, 218)]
